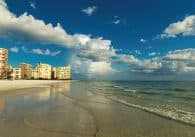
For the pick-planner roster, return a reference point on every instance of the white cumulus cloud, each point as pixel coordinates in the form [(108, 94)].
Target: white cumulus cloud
[(124, 58), (153, 54), (32, 4), (26, 28), (46, 52), (185, 54), (185, 27), (116, 22), (89, 10), (143, 40), (14, 49), (174, 62)]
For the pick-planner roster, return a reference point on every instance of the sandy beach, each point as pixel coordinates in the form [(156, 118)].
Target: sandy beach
[(72, 109), (19, 84)]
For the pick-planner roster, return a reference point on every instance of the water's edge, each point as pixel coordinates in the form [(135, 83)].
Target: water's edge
[(149, 110)]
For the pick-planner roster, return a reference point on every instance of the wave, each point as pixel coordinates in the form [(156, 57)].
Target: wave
[(117, 86), (186, 98), (130, 90), (165, 111), (149, 93), (156, 93), (141, 92), (180, 89), (174, 114)]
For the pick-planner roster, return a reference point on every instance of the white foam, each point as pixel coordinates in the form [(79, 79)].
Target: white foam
[(175, 114), (130, 90)]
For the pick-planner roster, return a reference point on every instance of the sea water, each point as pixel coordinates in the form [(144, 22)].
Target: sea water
[(170, 99)]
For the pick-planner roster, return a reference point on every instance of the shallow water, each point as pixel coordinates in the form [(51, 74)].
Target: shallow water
[(175, 100), (85, 109)]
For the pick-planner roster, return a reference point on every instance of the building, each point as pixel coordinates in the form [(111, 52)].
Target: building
[(42, 71), (16, 73), (62, 73), (54, 73), (26, 70), (34, 74), (3, 63)]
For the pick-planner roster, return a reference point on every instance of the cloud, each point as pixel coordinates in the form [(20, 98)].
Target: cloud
[(116, 22), (103, 67), (89, 10), (90, 56), (38, 51), (137, 52), (174, 62), (94, 57), (143, 40), (46, 52), (27, 29), (123, 58), (91, 68), (96, 50), (32, 5), (185, 27), (24, 49), (14, 49), (181, 55), (146, 66), (153, 54)]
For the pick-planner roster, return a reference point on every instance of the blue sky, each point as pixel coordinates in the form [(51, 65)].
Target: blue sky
[(126, 39)]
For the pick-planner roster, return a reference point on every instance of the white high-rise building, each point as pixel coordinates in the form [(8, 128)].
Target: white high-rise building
[(3, 63), (16, 73), (63, 73), (26, 70), (42, 71)]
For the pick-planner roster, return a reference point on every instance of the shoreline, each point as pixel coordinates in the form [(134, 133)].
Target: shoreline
[(6, 85), (148, 110), (79, 111)]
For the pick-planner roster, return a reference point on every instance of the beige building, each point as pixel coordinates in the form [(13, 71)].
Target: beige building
[(62, 73), (16, 73), (34, 74), (3, 63), (42, 71), (54, 73), (26, 70)]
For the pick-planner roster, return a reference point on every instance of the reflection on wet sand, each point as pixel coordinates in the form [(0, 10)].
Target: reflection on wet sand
[(62, 87), (45, 112), (44, 95), (2, 105), (73, 110)]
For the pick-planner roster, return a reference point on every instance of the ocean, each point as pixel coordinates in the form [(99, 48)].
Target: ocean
[(170, 99)]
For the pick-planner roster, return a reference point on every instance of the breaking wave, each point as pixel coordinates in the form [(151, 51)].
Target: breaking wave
[(167, 112)]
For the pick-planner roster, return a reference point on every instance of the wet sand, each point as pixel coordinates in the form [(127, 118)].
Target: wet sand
[(72, 109)]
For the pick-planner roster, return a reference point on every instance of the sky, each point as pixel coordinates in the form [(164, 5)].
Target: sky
[(103, 39)]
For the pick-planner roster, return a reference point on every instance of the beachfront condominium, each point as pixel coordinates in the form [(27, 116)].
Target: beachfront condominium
[(42, 71), (62, 73), (26, 70), (54, 73), (3, 63), (16, 73)]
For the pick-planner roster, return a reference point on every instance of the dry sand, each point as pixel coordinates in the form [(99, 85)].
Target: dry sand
[(19, 84)]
